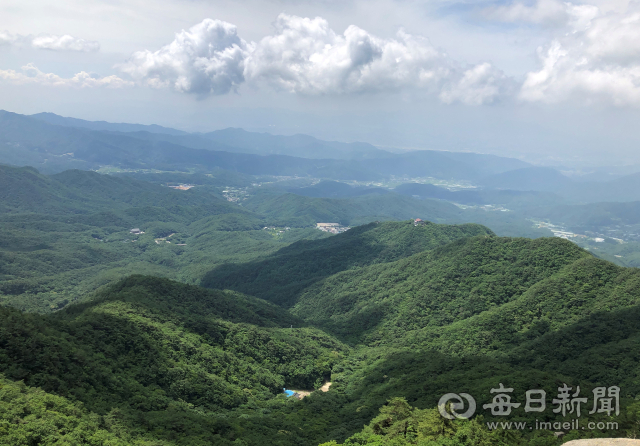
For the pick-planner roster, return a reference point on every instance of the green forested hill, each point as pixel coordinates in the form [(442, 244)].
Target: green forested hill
[(578, 326), (383, 311), (283, 276), (67, 234), (452, 309), (434, 288), (32, 416), (151, 352), (145, 342)]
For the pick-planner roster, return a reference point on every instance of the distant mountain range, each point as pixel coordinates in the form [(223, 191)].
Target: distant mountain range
[(52, 143), (52, 118)]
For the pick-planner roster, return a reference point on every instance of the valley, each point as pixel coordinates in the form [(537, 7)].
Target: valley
[(147, 301)]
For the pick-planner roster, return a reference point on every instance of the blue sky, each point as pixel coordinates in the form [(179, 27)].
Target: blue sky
[(550, 81)]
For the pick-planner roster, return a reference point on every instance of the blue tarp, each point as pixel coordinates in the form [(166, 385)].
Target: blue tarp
[(289, 392)]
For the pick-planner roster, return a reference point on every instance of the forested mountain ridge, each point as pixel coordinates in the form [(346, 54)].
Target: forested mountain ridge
[(64, 235), (433, 288), (579, 326), (281, 277)]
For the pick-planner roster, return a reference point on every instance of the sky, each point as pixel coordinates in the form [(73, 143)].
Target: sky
[(552, 82)]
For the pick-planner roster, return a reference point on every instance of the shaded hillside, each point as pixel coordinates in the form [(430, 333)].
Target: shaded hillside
[(283, 276), (578, 326), (571, 326), (182, 365)]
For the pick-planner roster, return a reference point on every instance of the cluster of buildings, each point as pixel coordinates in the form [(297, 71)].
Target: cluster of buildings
[(333, 228), (235, 195), (273, 228), (568, 235)]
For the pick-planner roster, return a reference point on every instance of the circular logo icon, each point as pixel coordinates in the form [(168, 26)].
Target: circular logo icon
[(451, 403)]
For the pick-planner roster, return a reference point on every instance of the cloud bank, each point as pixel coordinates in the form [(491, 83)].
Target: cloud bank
[(49, 42), (64, 43), (594, 57), (305, 56), (30, 74)]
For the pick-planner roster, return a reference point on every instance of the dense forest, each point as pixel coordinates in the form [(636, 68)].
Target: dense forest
[(170, 303), (152, 361)]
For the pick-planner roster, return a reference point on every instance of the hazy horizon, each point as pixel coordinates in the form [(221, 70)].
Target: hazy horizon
[(550, 82)]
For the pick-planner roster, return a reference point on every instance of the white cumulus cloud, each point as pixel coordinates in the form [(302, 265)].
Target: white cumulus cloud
[(600, 63), (206, 59), (64, 43), (305, 56), (30, 74)]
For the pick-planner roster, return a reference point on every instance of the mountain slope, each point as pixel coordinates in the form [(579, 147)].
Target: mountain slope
[(432, 288), (452, 309), (164, 341), (284, 276)]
